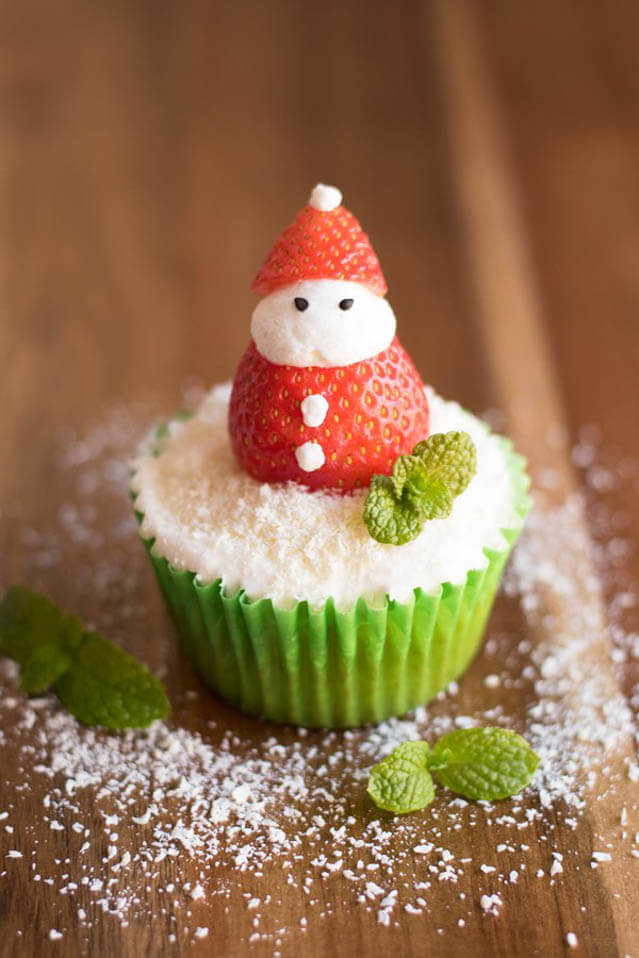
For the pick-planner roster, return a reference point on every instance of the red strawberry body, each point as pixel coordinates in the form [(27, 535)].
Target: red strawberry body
[(377, 410)]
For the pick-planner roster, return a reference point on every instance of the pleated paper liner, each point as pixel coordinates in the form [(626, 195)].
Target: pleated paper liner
[(324, 667)]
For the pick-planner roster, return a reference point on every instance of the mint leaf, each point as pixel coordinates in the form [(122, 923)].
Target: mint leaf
[(414, 486), (483, 763), (406, 469), (390, 520), (449, 457), (97, 681), (28, 620), (43, 668), (436, 500), (107, 686), (478, 763), (415, 751), (401, 782), (421, 487)]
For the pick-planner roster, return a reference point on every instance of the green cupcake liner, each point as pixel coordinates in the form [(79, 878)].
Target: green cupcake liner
[(324, 667)]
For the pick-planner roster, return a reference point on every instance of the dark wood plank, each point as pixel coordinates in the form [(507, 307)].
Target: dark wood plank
[(511, 318), (573, 127)]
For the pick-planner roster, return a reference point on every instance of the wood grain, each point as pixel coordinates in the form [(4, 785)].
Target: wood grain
[(509, 317), (148, 154)]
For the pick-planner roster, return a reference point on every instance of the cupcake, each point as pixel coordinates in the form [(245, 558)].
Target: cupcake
[(328, 533)]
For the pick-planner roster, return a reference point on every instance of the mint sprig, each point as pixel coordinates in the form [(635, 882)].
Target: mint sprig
[(478, 763), (96, 681), (421, 487), (402, 780), (484, 763)]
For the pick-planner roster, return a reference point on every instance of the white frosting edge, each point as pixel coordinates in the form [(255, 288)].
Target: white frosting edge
[(285, 543)]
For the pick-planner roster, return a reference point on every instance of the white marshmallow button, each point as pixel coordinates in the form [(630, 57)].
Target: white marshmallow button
[(325, 198), (314, 409), (310, 456)]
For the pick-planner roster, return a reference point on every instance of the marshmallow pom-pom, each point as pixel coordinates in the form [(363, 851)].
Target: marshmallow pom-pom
[(325, 198)]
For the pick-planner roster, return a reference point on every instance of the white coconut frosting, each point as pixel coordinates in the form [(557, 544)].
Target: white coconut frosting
[(285, 543)]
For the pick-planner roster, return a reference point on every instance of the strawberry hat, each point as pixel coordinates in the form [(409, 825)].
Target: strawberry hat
[(324, 241)]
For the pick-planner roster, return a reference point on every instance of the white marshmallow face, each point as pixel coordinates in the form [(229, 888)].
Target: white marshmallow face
[(322, 322)]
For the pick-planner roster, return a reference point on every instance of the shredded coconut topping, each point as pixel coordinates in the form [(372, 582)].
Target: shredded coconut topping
[(284, 542)]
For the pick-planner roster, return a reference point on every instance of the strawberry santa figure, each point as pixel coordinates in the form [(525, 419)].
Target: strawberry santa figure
[(325, 395)]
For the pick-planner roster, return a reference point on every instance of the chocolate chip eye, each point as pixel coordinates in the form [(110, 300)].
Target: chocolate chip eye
[(301, 303), (346, 303)]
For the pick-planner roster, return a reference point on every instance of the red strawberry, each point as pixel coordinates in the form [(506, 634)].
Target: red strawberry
[(377, 410), (321, 245)]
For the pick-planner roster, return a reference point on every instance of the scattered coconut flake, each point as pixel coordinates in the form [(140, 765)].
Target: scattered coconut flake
[(490, 904), (601, 857)]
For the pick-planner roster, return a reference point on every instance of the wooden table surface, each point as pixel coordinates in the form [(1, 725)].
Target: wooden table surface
[(149, 154)]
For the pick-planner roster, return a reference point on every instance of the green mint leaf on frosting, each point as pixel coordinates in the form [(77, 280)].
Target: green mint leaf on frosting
[(389, 519), (450, 458), (407, 476), (483, 763), (426, 494), (401, 782), (421, 487), (98, 682)]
